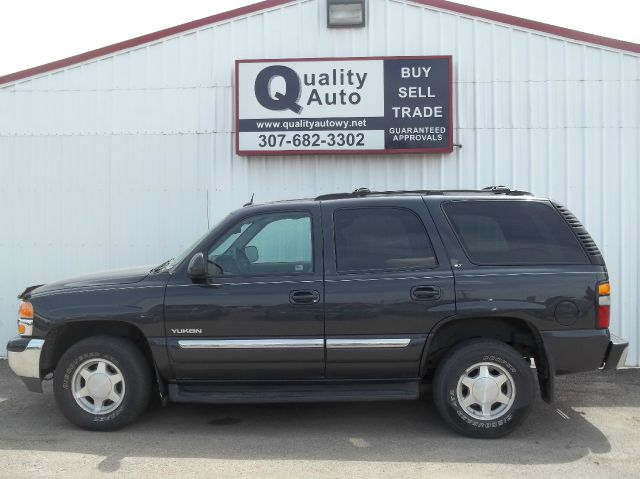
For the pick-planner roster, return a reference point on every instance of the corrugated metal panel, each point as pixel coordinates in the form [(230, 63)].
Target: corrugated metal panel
[(125, 160)]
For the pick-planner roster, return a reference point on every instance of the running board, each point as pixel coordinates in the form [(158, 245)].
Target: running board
[(220, 393)]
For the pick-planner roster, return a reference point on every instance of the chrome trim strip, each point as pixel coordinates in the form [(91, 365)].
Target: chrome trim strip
[(26, 363), (341, 343), (250, 343), (344, 343)]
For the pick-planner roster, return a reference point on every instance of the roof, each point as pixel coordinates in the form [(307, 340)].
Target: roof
[(267, 4)]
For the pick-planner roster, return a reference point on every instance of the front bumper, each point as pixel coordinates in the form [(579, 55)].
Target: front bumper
[(616, 353), (24, 360)]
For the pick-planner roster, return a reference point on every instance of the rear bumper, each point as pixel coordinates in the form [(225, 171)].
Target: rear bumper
[(584, 350), (616, 354), (24, 360)]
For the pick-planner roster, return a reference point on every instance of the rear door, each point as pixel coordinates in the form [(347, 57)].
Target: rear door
[(387, 283)]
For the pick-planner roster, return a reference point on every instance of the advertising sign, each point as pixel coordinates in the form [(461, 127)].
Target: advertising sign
[(344, 105)]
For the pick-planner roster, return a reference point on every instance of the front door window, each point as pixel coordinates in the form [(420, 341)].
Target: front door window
[(267, 244)]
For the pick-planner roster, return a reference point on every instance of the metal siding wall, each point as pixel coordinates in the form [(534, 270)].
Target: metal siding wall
[(127, 159)]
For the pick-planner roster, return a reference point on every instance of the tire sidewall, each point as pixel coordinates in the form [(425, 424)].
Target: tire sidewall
[(446, 384), (136, 385)]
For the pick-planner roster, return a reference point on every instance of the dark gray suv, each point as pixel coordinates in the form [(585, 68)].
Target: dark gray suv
[(344, 297)]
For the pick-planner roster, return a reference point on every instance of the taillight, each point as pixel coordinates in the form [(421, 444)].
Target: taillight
[(604, 305)]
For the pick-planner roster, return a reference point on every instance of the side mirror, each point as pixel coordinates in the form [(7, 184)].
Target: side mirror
[(251, 252), (197, 269)]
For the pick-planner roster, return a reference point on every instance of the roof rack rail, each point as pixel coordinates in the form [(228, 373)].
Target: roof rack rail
[(501, 189), (361, 192)]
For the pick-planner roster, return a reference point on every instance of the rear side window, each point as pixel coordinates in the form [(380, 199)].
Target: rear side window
[(381, 238), (513, 232)]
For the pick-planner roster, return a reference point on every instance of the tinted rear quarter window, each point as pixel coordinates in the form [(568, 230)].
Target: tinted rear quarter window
[(513, 232), (381, 238)]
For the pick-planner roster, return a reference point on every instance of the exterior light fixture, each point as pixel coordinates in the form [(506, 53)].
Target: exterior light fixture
[(345, 13)]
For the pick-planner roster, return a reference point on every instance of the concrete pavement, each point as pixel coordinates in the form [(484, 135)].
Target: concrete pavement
[(593, 430)]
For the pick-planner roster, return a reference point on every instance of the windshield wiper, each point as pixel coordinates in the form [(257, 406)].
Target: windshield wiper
[(159, 268)]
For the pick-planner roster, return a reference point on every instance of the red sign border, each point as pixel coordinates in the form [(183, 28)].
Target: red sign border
[(392, 151)]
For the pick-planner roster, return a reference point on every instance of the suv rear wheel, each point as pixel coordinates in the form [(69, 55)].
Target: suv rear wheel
[(102, 383), (483, 388)]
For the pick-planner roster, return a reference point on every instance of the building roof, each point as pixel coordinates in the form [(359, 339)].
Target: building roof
[(266, 4)]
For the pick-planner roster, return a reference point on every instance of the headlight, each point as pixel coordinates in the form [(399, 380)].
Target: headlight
[(25, 319)]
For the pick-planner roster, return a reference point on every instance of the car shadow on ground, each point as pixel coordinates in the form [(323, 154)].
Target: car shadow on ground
[(363, 431)]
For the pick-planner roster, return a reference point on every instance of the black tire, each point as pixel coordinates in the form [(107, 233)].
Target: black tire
[(448, 388), (134, 369)]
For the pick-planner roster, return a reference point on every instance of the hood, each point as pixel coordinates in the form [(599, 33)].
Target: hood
[(105, 278)]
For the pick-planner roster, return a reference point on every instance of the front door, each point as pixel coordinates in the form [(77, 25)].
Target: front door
[(259, 315), (387, 283)]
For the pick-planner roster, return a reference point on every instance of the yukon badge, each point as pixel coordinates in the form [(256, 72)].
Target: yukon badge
[(187, 331)]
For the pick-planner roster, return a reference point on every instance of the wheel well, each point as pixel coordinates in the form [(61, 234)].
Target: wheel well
[(513, 331), (64, 337)]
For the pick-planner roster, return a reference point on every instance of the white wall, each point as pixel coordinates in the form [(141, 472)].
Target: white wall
[(126, 159)]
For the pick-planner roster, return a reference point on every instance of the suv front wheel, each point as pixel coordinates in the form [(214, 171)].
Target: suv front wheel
[(102, 383), (483, 388)]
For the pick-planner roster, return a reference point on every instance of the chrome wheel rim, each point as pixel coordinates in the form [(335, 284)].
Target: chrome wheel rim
[(98, 386), (486, 391)]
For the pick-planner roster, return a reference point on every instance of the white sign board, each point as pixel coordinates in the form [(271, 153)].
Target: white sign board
[(350, 105)]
